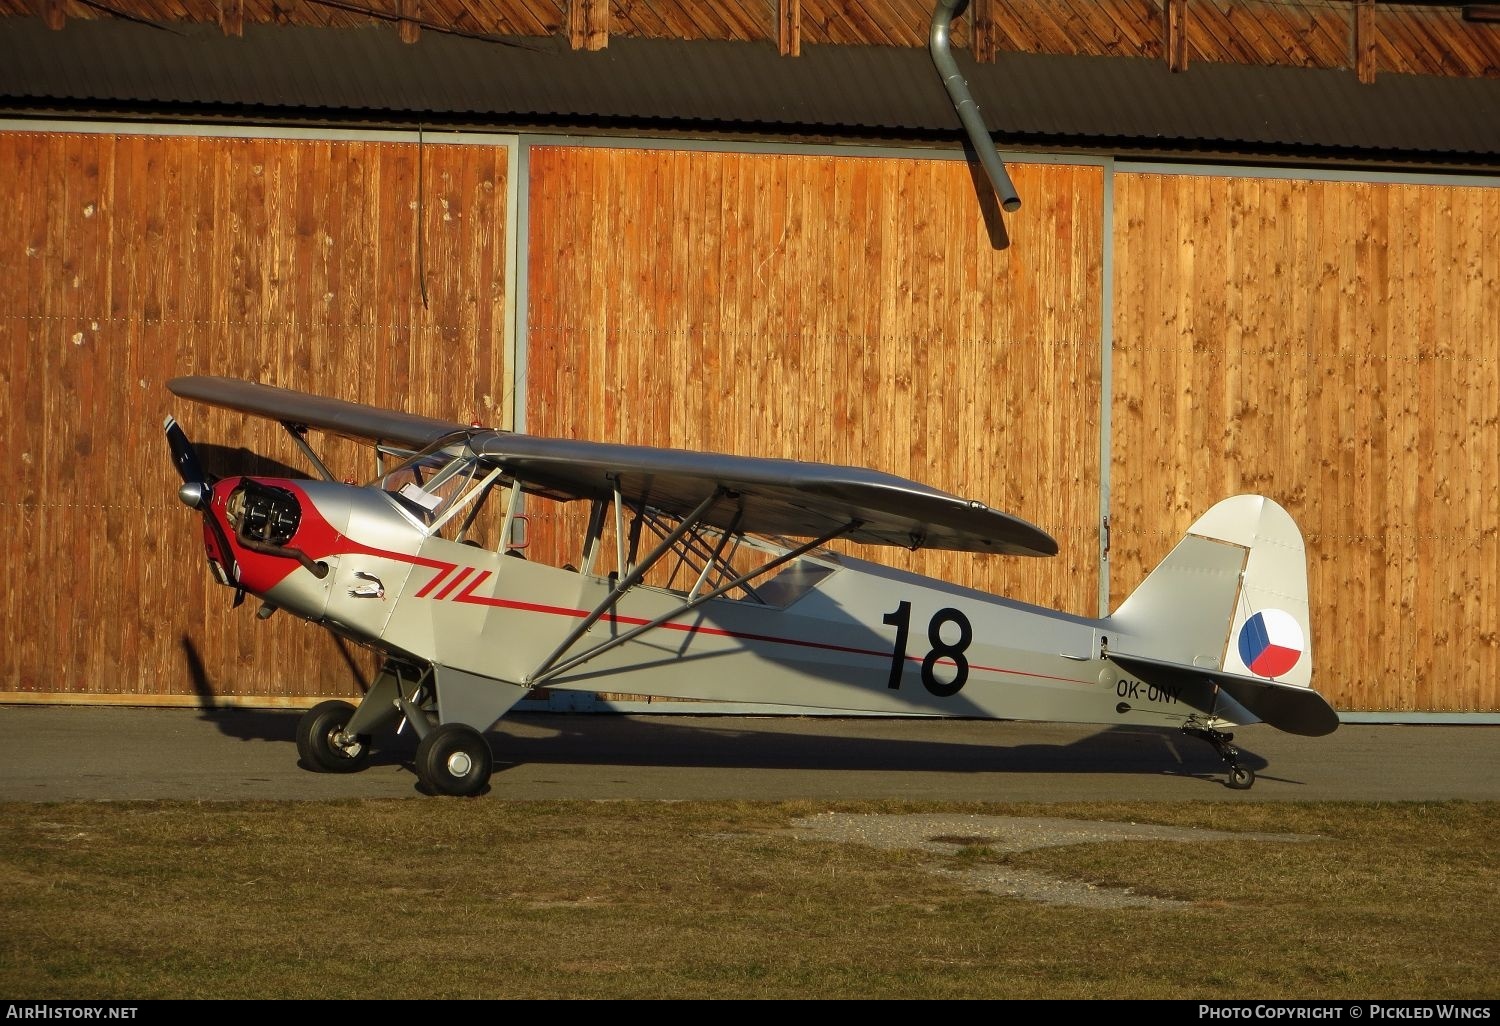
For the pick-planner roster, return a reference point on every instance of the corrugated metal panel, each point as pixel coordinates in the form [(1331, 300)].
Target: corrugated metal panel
[(1113, 102)]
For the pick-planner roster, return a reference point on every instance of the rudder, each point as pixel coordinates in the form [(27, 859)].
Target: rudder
[(1230, 597)]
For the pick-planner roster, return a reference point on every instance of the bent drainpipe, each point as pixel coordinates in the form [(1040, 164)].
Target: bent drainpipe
[(963, 101)]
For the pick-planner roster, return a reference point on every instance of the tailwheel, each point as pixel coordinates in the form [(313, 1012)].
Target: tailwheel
[(454, 759), (324, 745), (1240, 778)]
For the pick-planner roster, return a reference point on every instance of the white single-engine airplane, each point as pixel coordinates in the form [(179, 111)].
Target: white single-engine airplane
[(412, 565)]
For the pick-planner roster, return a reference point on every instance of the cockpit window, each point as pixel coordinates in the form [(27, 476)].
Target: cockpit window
[(431, 483)]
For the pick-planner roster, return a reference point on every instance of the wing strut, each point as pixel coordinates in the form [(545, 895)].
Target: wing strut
[(716, 557), (299, 435), (547, 670), (625, 583)]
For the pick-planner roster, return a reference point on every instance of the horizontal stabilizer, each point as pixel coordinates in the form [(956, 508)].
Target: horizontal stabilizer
[(1288, 707)]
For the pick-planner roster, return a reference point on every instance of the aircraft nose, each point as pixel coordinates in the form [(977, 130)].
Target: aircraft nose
[(194, 494)]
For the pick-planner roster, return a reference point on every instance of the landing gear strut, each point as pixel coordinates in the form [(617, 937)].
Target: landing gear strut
[(1240, 777)]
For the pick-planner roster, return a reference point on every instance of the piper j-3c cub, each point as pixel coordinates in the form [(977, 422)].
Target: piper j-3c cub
[(678, 592)]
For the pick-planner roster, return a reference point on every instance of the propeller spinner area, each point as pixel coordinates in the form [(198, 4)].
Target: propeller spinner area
[(196, 482)]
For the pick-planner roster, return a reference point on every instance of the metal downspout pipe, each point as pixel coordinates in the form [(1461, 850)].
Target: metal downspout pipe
[(963, 101)]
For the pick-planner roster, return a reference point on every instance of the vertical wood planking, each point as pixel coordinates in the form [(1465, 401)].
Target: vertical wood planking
[(1326, 343), (842, 310), (25, 329), (147, 257)]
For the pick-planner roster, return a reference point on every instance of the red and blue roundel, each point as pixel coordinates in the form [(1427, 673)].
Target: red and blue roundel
[(1271, 642)]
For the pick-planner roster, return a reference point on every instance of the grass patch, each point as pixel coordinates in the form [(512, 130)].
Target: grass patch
[(421, 898)]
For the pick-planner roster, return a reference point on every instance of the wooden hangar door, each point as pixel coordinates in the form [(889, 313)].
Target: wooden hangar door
[(1329, 343), (841, 307), (367, 268)]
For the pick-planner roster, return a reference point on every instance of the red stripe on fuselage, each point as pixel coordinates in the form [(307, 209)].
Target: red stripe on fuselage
[(322, 541), (457, 580), (467, 596), (436, 579)]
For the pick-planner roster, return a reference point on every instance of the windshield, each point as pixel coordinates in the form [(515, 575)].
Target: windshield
[(433, 481)]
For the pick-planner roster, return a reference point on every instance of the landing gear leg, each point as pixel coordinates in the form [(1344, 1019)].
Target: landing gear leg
[(1240, 777)]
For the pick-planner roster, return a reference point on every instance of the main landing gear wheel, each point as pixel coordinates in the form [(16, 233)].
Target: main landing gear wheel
[(323, 744), (1240, 778), (454, 759)]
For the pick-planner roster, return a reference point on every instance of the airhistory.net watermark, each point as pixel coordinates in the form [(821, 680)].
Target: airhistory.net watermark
[(51, 1010)]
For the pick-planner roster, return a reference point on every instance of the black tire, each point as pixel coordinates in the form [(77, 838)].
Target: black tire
[(315, 744), (454, 759), (1240, 778)]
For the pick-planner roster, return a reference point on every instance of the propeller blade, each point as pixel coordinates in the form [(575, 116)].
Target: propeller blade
[(184, 456)]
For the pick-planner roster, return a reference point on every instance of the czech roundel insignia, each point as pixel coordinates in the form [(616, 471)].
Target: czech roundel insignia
[(1271, 643)]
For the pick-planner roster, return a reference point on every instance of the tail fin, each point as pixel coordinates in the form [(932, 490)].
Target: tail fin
[(1229, 606)]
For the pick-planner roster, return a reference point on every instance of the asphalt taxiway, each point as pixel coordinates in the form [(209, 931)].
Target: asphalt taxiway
[(71, 753)]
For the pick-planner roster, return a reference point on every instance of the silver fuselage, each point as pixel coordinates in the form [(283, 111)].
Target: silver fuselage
[(843, 634)]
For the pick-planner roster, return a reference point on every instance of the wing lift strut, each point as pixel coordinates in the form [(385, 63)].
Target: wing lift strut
[(299, 436), (298, 433), (683, 539)]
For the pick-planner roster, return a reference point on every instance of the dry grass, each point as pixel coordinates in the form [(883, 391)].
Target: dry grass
[(488, 899)]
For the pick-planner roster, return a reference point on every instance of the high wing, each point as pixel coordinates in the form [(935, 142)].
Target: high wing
[(756, 495), (767, 496), (350, 420)]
